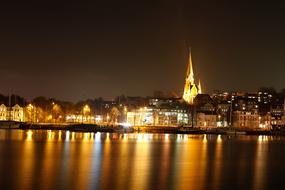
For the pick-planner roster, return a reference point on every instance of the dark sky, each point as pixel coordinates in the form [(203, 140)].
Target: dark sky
[(82, 50)]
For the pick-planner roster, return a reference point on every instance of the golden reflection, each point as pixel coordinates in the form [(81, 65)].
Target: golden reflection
[(125, 138), (106, 163), (219, 139), (124, 160), (27, 163), (143, 138), (165, 165), (92, 137), (72, 136), (166, 137), (203, 164), (85, 159), (59, 135), (86, 137), (29, 135), (190, 170), (205, 138), (108, 137), (67, 136), (98, 137), (262, 138), (218, 162), (179, 138), (50, 136), (141, 163), (49, 164), (185, 137), (260, 162), (139, 137)]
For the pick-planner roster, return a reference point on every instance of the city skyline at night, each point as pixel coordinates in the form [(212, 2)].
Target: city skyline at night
[(149, 94)]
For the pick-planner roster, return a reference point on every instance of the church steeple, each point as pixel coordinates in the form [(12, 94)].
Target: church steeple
[(191, 90), (190, 72)]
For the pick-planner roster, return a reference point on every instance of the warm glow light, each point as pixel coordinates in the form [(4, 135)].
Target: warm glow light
[(49, 135), (219, 139), (108, 137), (67, 135), (29, 135), (59, 135), (166, 137), (262, 138), (97, 137), (86, 136), (86, 109), (205, 138), (72, 136)]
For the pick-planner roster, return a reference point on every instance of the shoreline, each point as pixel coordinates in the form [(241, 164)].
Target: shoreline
[(140, 129)]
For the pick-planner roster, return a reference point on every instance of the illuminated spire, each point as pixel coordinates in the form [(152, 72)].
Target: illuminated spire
[(200, 88), (190, 72), (190, 88)]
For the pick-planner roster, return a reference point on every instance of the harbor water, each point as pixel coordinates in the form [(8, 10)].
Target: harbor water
[(43, 159)]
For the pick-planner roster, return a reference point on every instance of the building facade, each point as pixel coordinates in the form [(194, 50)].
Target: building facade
[(149, 116), (246, 119)]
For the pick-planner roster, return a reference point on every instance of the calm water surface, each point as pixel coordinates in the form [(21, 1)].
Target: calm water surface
[(68, 160)]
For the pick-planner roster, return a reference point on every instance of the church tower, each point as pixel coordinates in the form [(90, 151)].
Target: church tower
[(191, 90)]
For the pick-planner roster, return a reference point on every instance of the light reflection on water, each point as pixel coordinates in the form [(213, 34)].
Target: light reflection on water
[(72, 160)]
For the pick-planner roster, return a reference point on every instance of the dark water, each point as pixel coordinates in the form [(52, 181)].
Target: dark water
[(64, 160)]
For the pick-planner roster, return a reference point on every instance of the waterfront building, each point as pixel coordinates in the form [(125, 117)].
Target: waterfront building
[(86, 119), (141, 117), (3, 112), (224, 114), (152, 116), (277, 113), (265, 121), (191, 90), (16, 113), (206, 120), (205, 109), (246, 119)]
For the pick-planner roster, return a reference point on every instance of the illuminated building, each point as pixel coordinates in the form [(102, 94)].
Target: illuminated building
[(206, 115), (224, 114), (191, 90), (277, 115), (141, 117), (206, 120), (3, 112), (16, 113), (148, 116), (86, 119), (245, 102), (248, 119)]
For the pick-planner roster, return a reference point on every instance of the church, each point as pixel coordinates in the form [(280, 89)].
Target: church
[(191, 90)]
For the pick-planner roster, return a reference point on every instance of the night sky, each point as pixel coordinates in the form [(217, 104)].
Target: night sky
[(75, 51)]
